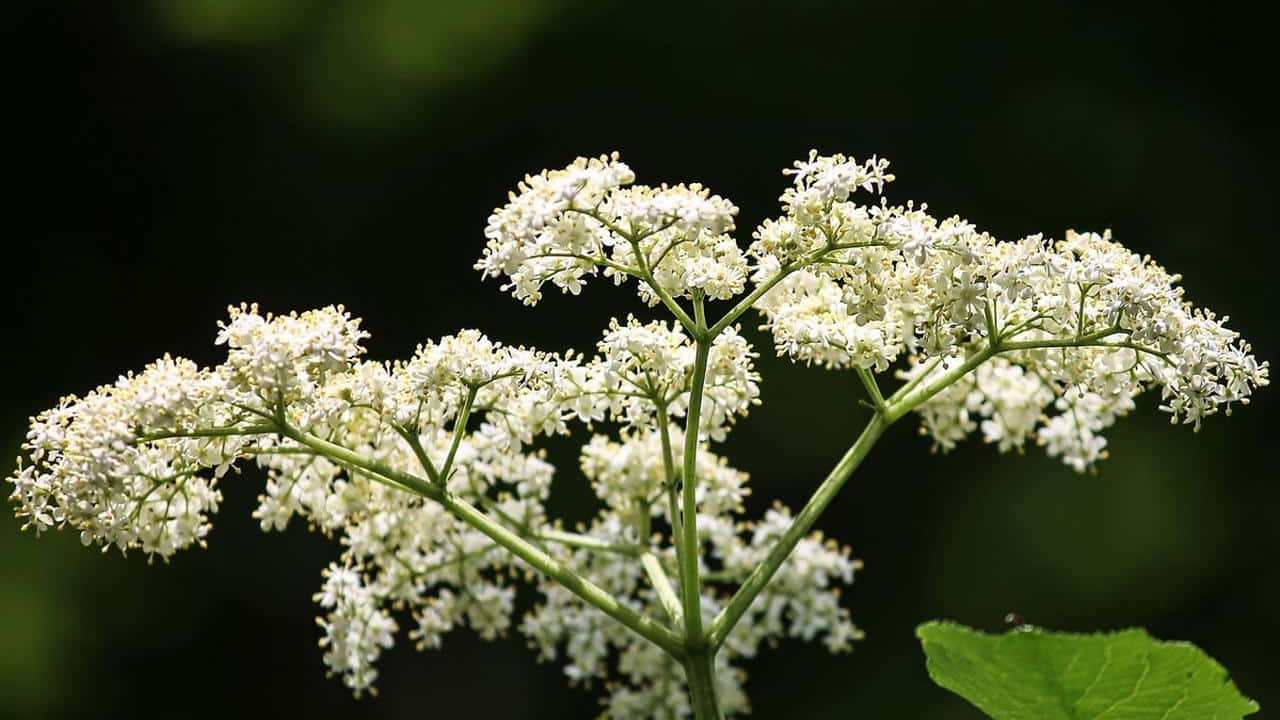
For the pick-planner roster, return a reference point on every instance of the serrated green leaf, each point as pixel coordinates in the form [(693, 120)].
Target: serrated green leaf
[(1033, 674)]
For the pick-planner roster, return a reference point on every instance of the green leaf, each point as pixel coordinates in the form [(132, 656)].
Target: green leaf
[(1033, 674)]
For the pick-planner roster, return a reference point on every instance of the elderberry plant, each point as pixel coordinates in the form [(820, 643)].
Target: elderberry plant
[(428, 472)]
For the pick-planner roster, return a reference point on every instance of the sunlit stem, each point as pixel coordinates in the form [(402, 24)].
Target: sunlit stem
[(459, 429), (670, 303), (913, 382), (415, 444), (642, 625), (751, 299), (926, 390), (928, 387), (586, 542), (662, 586), (873, 389), (601, 261), (253, 451), (904, 401), (348, 457), (260, 429), (800, 526), (646, 272)]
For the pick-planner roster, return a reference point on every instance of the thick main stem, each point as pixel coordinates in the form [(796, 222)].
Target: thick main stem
[(700, 673)]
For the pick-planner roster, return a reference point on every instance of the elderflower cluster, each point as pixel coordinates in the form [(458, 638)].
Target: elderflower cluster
[(136, 464), (1002, 398), (1087, 326), (428, 471), (87, 468), (629, 474), (564, 225), (646, 369), (1079, 327), (289, 355)]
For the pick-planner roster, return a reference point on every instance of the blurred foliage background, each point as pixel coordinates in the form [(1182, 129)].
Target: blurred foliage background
[(174, 157)]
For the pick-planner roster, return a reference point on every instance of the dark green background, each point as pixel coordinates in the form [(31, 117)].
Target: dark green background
[(171, 158)]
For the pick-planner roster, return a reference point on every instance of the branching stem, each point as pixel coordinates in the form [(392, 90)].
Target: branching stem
[(592, 594)]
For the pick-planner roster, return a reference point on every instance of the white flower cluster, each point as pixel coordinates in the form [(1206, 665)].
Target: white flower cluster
[(287, 356), (1084, 325), (870, 283), (564, 225), (643, 369), (629, 475), (1004, 399), (356, 630), (135, 464), (87, 469), (822, 181), (427, 471)]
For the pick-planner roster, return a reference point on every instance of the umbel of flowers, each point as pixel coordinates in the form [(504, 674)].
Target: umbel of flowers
[(428, 471)]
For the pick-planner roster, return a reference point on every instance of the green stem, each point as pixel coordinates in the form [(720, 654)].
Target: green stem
[(903, 403), (924, 391), (586, 542), (910, 397), (459, 429), (800, 526), (411, 437), (642, 625), (642, 261), (690, 585), (873, 389), (595, 596), (262, 429), (602, 261), (699, 670), (1079, 341), (749, 301), (913, 382), (670, 302), (1043, 344), (673, 500), (340, 454), (277, 451), (662, 586)]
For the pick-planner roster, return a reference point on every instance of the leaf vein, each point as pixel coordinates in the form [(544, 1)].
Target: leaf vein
[(1146, 670), (1106, 662)]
